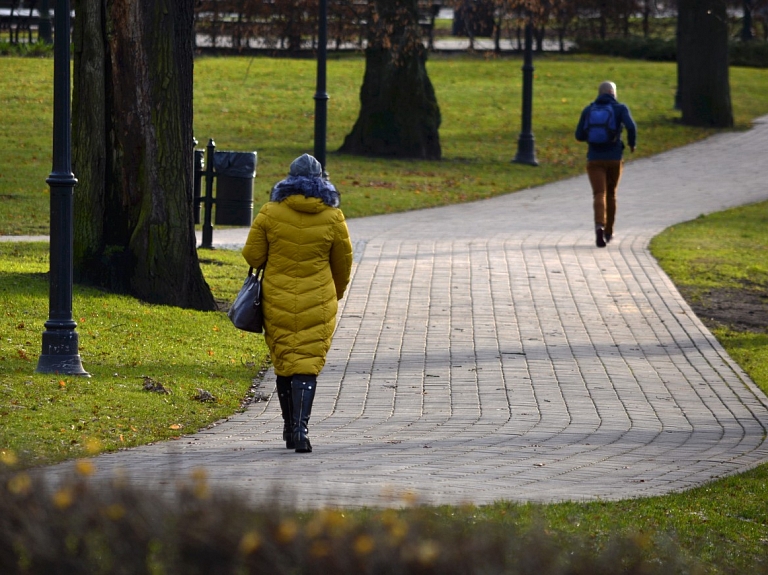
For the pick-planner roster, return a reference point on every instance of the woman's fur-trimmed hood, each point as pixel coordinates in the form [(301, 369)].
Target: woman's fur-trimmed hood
[(309, 187)]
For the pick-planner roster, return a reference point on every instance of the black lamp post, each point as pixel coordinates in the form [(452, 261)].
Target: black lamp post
[(60, 340), (321, 96), (525, 144), (44, 22)]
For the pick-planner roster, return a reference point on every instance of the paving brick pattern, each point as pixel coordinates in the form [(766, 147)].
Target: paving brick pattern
[(489, 351)]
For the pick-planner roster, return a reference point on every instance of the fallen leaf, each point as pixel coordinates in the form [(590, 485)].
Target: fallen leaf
[(175, 426)]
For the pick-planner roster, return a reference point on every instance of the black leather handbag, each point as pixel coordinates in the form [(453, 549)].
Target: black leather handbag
[(246, 312)]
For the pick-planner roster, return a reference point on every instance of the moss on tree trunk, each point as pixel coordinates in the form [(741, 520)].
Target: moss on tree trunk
[(132, 116)]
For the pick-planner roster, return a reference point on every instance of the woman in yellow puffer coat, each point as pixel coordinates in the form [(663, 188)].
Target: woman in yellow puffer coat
[(302, 236)]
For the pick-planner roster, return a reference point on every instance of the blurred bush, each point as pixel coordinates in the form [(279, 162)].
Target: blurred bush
[(80, 527)]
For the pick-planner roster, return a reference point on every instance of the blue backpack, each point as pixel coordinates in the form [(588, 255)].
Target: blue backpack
[(600, 124)]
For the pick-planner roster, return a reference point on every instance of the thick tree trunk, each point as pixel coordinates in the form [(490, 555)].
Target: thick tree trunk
[(702, 61), (603, 20), (399, 115), (132, 144), (647, 6), (746, 25)]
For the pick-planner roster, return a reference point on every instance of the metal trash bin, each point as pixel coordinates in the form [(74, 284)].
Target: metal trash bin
[(234, 187)]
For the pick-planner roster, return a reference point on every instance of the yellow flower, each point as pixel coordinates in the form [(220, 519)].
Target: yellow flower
[(286, 531), (114, 511), (398, 530), (199, 474), (427, 552), (316, 526), (92, 446), (64, 497), (364, 544), (85, 467), (319, 549), (249, 542), (8, 457), (327, 521), (409, 498), (200, 487), (20, 484)]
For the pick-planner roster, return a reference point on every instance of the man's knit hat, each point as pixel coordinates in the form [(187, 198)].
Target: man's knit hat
[(307, 166)]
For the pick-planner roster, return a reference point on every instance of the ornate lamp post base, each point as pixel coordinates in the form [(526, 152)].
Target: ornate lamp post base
[(60, 353), (526, 151)]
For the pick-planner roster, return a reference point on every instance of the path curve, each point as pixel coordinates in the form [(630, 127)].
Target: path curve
[(489, 351)]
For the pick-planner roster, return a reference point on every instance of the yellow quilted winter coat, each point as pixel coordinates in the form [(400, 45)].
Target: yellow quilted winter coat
[(306, 245)]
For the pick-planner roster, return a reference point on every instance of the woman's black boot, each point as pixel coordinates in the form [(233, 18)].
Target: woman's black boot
[(303, 394), (286, 408)]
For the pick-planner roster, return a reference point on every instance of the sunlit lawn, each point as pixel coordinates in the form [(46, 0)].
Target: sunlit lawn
[(267, 105)]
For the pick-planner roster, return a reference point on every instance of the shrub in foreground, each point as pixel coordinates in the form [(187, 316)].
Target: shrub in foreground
[(81, 527)]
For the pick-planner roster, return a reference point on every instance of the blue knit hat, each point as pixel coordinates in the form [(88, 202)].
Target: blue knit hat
[(307, 166)]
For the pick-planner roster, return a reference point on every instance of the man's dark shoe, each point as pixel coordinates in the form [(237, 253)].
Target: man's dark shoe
[(599, 238), (607, 237)]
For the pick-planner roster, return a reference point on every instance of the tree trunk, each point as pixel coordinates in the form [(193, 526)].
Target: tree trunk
[(702, 61), (646, 18), (746, 25), (399, 115), (603, 20), (132, 150)]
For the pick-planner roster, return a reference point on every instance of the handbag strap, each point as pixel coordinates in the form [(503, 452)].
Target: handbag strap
[(259, 270)]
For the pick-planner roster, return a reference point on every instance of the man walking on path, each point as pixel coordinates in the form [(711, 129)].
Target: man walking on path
[(600, 126)]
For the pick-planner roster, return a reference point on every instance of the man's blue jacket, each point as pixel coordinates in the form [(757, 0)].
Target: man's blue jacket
[(613, 150)]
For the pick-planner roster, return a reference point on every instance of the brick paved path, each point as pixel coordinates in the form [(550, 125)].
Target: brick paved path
[(489, 351)]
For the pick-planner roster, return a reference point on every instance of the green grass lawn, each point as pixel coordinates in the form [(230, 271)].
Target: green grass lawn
[(723, 258), (48, 418), (267, 105)]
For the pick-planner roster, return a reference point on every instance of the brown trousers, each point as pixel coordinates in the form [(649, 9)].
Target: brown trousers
[(604, 176)]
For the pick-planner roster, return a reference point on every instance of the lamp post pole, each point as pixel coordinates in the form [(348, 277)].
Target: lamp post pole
[(525, 144), (321, 96), (60, 340)]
